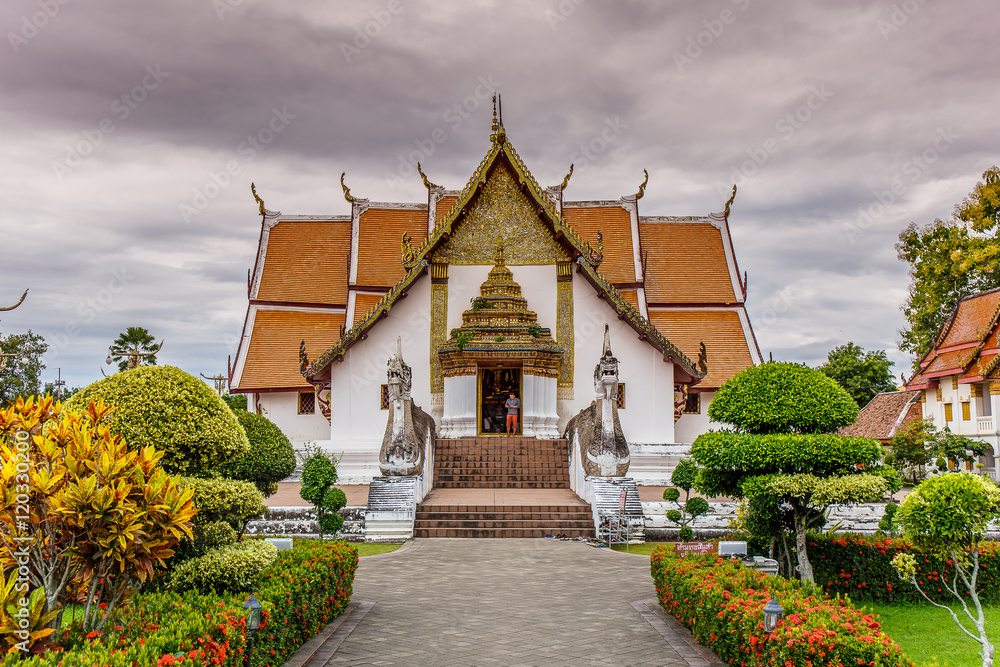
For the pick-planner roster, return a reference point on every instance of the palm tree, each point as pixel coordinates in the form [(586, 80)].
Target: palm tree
[(135, 347)]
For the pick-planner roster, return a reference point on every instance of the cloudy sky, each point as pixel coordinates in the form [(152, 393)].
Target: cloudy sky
[(841, 123)]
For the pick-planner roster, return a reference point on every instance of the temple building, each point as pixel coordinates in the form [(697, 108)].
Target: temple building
[(503, 287), (959, 377)]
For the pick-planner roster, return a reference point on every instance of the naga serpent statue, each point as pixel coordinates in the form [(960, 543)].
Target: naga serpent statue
[(603, 449), (409, 429)]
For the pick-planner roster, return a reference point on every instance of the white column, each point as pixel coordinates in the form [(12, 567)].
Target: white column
[(529, 411)]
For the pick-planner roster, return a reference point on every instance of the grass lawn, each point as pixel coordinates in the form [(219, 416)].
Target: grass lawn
[(927, 633), (645, 548), (365, 549)]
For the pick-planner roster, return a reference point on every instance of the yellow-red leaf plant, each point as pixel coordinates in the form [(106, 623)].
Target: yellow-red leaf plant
[(97, 513)]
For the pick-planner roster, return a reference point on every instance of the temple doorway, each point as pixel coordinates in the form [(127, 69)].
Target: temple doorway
[(495, 385)]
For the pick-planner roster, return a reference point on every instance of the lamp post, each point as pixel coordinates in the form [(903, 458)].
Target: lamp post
[(773, 612), (253, 622), (219, 380), (4, 356), (58, 385)]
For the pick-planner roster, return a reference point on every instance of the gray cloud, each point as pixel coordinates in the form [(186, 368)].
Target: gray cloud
[(694, 127)]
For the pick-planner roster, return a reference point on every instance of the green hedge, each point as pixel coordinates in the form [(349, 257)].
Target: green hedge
[(230, 568), (172, 410), (271, 457), (722, 602), (859, 566), (233, 501), (301, 591)]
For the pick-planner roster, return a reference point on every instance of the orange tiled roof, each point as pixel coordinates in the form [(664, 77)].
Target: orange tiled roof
[(983, 367), (885, 414), (614, 224), (443, 207), (728, 349), (631, 296), (362, 304), (973, 320), (685, 263), (272, 360), (956, 360), (307, 262), (379, 235)]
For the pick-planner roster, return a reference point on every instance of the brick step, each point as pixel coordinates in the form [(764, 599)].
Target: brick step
[(553, 524), (477, 511), (500, 458), (499, 532), (524, 476), (501, 485)]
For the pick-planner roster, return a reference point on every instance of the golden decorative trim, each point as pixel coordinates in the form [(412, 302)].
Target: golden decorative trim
[(439, 323), (564, 323), (439, 272), (937, 394), (994, 388), (977, 390)]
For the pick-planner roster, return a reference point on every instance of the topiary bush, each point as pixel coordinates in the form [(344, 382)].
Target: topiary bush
[(231, 502), (271, 457), (231, 568), (177, 413), (319, 474), (782, 398)]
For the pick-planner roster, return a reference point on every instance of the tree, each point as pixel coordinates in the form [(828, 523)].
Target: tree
[(175, 411), (683, 477), (20, 378), (949, 515), (235, 401), (861, 374), (271, 457), (949, 260), (135, 340), (913, 448), (101, 515), (319, 474), (783, 449)]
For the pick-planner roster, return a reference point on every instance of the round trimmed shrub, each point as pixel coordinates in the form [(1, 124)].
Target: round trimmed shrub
[(697, 506), (271, 457), (783, 398), (670, 494), (172, 410), (232, 568), (319, 474)]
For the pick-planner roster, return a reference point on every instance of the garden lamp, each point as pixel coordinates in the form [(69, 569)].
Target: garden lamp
[(773, 612), (253, 622)]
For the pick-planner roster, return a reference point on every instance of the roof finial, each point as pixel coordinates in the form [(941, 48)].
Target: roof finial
[(642, 188), (260, 202), (347, 190), (566, 180), (496, 124), (729, 203), (427, 183), (498, 131)]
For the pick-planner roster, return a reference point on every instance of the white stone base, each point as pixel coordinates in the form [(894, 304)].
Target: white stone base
[(653, 464)]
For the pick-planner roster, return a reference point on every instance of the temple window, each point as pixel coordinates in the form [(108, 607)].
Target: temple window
[(966, 412), (692, 406), (620, 400), (947, 412), (307, 402), (383, 401)]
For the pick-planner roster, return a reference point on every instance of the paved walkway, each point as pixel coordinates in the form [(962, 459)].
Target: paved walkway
[(505, 602)]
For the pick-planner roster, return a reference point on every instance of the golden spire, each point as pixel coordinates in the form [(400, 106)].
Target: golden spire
[(498, 256), (497, 129)]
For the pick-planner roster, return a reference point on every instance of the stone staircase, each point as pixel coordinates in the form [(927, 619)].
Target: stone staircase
[(501, 463), (502, 487)]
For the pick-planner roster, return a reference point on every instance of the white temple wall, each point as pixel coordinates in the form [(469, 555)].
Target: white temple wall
[(690, 426), (463, 285), (282, 408), (357, 422), (649, 381)]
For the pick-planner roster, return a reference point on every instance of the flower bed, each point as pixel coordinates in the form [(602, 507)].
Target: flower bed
[(301, 591), (722, 602), (859, 566)]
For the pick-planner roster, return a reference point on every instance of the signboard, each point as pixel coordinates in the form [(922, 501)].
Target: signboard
[(697, 548), (621, 500)]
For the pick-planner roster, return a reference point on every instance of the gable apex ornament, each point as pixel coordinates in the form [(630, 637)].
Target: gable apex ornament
[(347, 191), (427, 183), (725, 213), (642, 188), (565, 181), (260, 202)]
